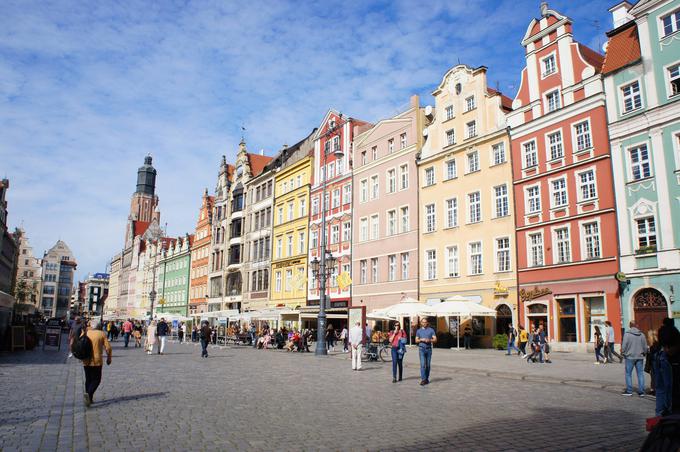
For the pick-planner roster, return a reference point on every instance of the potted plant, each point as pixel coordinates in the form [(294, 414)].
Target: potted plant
[(647, 249)]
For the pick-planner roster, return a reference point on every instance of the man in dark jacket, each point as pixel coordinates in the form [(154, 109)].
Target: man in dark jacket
[(634, 348), (205, 337), (162, 331)]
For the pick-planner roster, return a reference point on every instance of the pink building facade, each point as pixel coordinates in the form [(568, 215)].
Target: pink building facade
[(385, 210)]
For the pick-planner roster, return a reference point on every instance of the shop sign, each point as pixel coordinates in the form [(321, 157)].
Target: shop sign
[(536, 292), (339, 304), (344, 280), (500, 290)]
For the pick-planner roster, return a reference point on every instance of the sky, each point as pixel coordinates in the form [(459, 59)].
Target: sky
[(87, 89)]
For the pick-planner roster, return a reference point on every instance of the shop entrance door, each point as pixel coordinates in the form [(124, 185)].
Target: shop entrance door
[(566, 309), (650, 309), (503, 318)]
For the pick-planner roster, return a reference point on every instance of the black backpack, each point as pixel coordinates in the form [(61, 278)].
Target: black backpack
[(665, 436), (82, 347)]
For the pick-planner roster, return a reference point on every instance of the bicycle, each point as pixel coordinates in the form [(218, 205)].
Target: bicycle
[(373, 352)]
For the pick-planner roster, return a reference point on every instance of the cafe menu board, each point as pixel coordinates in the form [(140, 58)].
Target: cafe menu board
[(357, 314), (18, 338), (52, 337)]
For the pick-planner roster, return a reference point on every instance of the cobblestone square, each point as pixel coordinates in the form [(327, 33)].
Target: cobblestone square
[(245, 399)]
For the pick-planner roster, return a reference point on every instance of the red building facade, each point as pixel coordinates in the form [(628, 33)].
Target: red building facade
[(563, 186)]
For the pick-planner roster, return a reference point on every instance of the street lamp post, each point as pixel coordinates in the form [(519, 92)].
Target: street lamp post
[(321, 273)]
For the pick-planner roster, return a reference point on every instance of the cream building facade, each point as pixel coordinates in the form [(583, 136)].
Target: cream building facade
[(467, 225)]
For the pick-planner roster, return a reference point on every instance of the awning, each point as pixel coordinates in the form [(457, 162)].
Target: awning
[(331, 313), (407, 307), (457, 308)]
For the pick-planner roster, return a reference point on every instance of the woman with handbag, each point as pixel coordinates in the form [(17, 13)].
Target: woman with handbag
[(599, 343), (397, 338)]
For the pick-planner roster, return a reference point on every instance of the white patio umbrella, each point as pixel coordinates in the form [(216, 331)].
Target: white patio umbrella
[(457, 306), (407, 307)]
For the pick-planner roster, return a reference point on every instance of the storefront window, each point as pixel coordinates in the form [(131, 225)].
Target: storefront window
[(567, 320), (538, 316), (594, 314)]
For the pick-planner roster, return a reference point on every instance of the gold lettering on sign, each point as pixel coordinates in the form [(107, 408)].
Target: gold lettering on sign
[(536, 292), (500, 290)]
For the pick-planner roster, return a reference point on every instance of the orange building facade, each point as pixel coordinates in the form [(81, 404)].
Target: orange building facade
[(200, 253)]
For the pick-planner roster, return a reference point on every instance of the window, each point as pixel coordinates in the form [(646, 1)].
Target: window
[(451, 212), (290, 245), (331, 171), (476, 258), (582, 131), (587, 185), (347, 194), (501, 200), (391, 181), (562, 245), (451, 172), (363, 229), (430, 219), (473, 162), (646, 231), (431, 264), (301, 242), (346, 231), (402, 140), (391, 267), (374, 153), (429, 176), (336, 198), (404, 265), (671, 23), (315, 206), (470, 103), (289, 280), (403, 176), (449, 112), (498, 151), (374, 270), (363, 157), (471, 129), (503, 254), (632, 100), (474, 207), (277, 282), (335, 233), (303, 207), (450, 137), (285, 187), (530, 154), (591, 236), (391, 222), (375, 227), (279, 247), (405, 222), (374, 187), (674, 78), (315, 239), (549, 66), (452, 266), (559, 192), (363, 270), (639, 162), (290, 210), (555, 145), (533, 199), (341, 166), (553, 100), (280, 215), (363, 190), (535, 249)]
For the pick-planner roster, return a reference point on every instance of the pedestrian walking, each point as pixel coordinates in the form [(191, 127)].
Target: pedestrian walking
[(253, 335), (74, 332), (93, 365), (330, 338), (181, 331), (536, 346), (599, 343), (397, 338), (194, 333), (512, 336), (109, 330), (151, 337), (633, 348), (343, 338), (667, 370), (162, 331), (610, 346), (127, 332), (523, 339), (467, 338), (652, 355), (425, 338), (205, 337), (356, 337)]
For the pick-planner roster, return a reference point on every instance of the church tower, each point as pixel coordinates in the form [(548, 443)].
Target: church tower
[(144, 203)]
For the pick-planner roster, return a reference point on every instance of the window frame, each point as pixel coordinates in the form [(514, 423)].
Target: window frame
[(527, 199), (496, 199), (428, 229), (547, 97), (534, 152), (579, 185), (622, 96), (452, 259), (552, 190), (471, 256), (426, 177), (469, 206), (530, 254), (430, 260), (630, 164), (451, 220), (497, 252), (548, 145)]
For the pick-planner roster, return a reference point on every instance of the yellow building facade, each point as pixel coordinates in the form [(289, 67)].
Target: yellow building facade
[(290, 235), (467, 241)]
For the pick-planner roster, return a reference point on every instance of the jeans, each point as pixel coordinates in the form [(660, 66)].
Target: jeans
[(611, 352), (663, 374), (598, 355), (330, 343), (467, 341), (511, 347), (161, 347), (356, 357), (93, 376), (523, 348), (126, 338), (180, 336), (397, 363), (638, 364), (204, 348), (253, 339), (425, 354)]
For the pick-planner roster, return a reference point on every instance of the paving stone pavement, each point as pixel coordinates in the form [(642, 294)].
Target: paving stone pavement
[(245, 399)]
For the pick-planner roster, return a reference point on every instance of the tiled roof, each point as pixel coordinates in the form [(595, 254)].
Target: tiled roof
[(257, 163), (139, 227), (506, 102), (623, 48), (592, 57)]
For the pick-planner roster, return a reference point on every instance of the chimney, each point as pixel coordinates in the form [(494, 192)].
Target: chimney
[(415, 101), (620, 14)]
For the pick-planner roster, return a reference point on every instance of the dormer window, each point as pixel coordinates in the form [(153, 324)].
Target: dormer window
[(549, 66)]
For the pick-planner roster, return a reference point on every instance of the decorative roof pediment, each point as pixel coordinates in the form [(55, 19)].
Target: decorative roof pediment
[(331, 114), (642, 208)]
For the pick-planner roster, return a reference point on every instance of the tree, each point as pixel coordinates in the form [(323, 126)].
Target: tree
[(24, 291)]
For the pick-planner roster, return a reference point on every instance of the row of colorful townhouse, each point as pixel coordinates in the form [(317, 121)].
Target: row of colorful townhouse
[(559, 208)]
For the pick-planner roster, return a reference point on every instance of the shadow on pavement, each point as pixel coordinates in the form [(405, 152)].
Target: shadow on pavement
[(128, 398)]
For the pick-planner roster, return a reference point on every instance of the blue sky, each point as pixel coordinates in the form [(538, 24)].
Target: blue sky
[(88, 89)]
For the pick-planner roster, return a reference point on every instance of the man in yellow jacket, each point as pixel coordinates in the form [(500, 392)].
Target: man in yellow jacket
[(93, 365)]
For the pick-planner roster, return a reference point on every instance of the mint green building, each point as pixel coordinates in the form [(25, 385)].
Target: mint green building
[(173, 281), (642, 86)]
